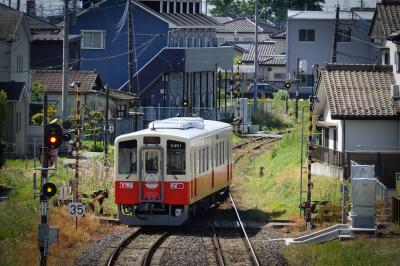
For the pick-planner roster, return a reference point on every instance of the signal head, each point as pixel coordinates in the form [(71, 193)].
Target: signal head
[(185, 103), (49, 190), (53, 136), (287, 85)]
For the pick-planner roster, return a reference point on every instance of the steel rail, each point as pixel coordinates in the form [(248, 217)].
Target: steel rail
[(252, 148), (149, 254), (114, 256), (250, 246), (217, 246)]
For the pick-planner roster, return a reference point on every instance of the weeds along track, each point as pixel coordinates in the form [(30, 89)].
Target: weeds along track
[(139, 247)]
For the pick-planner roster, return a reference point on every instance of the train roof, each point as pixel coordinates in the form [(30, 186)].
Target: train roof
[(183, 127)]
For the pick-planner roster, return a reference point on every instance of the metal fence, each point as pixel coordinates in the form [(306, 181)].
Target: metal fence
[(328, 156)]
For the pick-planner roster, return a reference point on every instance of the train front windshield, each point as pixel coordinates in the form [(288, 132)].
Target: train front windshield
[(127, 157)]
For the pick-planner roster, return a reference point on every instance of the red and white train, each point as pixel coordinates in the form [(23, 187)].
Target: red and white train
[(168, 172)]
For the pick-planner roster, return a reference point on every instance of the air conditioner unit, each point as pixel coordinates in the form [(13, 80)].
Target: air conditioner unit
[(395, 91)]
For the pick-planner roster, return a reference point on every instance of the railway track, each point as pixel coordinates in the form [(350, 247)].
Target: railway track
[(139, 247)]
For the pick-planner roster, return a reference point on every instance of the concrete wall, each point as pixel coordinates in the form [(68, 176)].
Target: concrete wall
[(280, 46), (322, 169), (320, 51), (372, 135), (205, 59)]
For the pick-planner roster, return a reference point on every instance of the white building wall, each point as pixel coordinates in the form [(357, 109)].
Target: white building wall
[(393, 50), (20, 47), (241, 37), (371, 135)]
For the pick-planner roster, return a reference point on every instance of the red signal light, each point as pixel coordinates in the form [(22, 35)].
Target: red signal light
[(53, 140)]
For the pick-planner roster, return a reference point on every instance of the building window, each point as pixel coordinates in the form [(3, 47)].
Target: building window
[(20, 63), (280, 76), (344, 35), (397, 61), (121, 109), (178, 7), (385, 57), (93, 39), (307, 35)]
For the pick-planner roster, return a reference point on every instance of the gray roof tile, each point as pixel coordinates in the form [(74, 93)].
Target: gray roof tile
[(389, 12), (360, 91)]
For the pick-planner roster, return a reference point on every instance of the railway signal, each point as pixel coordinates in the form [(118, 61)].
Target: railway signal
[(287, 85), (53, 136), (49, 190), (185, 103)]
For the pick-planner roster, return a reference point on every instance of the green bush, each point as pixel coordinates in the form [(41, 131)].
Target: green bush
[(280, 95)]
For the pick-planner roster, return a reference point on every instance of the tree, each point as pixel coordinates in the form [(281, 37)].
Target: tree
[(37, 119), (268, 9), (37, 91), (92, 123), (3, 111)]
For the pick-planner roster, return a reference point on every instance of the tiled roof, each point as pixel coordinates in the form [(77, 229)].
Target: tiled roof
[(281, 34), (389, 12), (242, 25), (9, 21), (265, 50), (122, 95), (58, 36), (34, 23), (52, 79), (12, 89), (276, 60), (360, 91)]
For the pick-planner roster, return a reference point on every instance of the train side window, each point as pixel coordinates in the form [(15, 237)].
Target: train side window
[(216, 154), (127, 157), (220, 154), (223, 153), (176, 154), (207, 159), (204, 159)]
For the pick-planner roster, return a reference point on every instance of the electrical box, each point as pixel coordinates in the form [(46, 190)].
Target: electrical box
[(363, 196)]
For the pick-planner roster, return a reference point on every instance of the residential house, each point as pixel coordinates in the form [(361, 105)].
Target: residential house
[(15, 77), (310, 38), (279, 38), (92, 93), (385, 31), (46, 48), (272, 66), (359, 120), (174, 50), (15, 135), (243, 30)]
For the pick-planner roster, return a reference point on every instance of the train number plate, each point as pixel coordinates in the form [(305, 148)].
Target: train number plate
[(176, 186)]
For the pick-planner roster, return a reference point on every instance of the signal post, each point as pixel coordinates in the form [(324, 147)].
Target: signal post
[(47, 235)]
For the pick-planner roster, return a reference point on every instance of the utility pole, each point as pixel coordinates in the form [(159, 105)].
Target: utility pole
[(130, 48), (65, 87), (106, 131), (335, 36), (255, 89), (309, 224), (296, 106)]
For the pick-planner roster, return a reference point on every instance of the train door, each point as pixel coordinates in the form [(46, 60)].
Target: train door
[(151, 176)]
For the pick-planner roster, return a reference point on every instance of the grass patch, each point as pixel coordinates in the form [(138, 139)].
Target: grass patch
[(19, 215), (381, 251), (276, 193)]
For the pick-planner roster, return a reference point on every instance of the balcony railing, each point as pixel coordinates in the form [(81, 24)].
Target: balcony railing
[(328, 156)]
